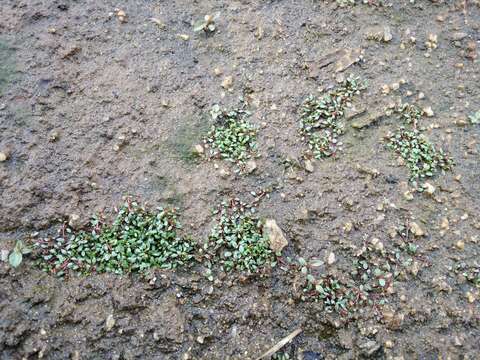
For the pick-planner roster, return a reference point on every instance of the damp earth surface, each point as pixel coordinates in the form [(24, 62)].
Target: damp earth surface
[(104, 101)]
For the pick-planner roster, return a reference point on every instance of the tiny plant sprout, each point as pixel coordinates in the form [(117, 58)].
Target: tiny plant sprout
[(16, 256), (475, 118), (207, 24)]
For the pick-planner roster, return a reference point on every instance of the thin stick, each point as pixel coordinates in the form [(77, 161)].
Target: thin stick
[(280, 344)]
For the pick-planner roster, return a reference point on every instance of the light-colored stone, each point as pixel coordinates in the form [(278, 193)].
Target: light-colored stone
[(250, 166), (3, 157), (275, 235), (309, 166), (198, 149), (331, 259), (416, 229), (227, 82), (74, 221), (428, 111), (429, 188), (110, 322), (387, 34)]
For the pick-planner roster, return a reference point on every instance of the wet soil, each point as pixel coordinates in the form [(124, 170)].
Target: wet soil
[(93, 110)]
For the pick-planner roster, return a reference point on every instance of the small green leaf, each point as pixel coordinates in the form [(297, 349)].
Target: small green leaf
[(15, 258)]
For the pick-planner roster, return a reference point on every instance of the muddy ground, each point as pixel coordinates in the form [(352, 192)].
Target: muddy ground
[(93, 109)]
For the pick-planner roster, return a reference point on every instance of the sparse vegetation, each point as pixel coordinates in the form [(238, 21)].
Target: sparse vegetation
[(207, 24), (232, 137), (237, 241), (137, 240), (321, 118), (474, 118)]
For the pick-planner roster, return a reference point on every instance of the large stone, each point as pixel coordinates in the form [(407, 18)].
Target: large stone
[(275, 235)]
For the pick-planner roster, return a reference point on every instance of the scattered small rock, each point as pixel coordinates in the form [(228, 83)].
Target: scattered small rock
[(54, 135), (198, 149), (122, 16), (429, 188), (350, 57), (428, 111), (460, 245), (444, 225), (309, 166), (74, 221), (369, 348), (250, 166), (331, 259), (387, 34), (227, 82), (470, 297), (275, 235), (458, 36), (416, 229), (224, 173), (184, 37), (368, 120), (110, 322), (4, 255), (3, 157), (389, 344), (408, 195)]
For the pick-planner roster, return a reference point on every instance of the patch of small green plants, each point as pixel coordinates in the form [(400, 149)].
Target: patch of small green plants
[(281, 356), (15, 257), (421, 157), (232, 137), (237, 241), (366, 283), (135, 241), (333, 293), (321, 118)]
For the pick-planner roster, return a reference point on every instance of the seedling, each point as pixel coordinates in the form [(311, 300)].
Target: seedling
[(232, 137), (136, 241), (321, 118), (474, 118), (237, 241), (16, 256), (207, 24)]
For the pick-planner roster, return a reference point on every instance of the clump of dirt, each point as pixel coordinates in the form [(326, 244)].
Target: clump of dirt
[(100, 103)]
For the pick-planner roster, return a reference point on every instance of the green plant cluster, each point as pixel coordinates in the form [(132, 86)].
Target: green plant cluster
[(367, 283), (422, 158), (136, 241), (237, 241), (232, 137), (333, 293), (321, 118)]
